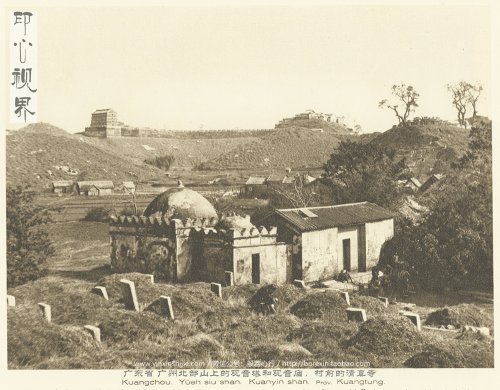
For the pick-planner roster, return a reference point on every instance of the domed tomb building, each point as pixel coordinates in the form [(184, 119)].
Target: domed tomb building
[(179, 238)]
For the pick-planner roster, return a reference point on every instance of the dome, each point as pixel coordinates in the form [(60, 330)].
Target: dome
[(234, 222), (181, 203)]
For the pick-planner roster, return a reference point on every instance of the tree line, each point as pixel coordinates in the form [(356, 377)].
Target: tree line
[(404, 101)]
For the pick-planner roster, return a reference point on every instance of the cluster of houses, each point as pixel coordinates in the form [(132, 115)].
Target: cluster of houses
[(308, 114), (416, 186), (259, 186), (341, 120), (92, 187), (256, 186)]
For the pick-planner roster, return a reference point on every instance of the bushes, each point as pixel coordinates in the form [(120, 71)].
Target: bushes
[(163, 162), (97, 214)]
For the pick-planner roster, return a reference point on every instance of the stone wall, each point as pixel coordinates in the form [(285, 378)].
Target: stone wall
[(319, 254), (99, 132), (217, 259), (140, 244), (145, 254), (376, 234)]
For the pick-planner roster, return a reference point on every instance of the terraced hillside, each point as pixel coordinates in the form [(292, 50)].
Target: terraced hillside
[(294, 147), (33, 158), (188, 152), (34, 153)]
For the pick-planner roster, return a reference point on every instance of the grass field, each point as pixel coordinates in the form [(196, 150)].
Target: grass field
[(310, 325)]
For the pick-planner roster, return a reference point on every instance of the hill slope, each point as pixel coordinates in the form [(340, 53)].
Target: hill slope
[(33, 153), (41, 128), (294, 147), (427, 148), (33, 158), (188, 152)]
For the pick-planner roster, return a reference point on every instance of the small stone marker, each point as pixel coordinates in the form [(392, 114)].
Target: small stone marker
[(166, 306), (151, 277), (299, 283), (11, 300), (229, 278), (345, 295), (353, 314), (216, 288), (409, 306), (94, 331), (385, 301), (129, 295), (47, 315), (100, 290), (414, 317)]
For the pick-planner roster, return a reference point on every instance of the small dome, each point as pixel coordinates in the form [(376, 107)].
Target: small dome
[(181, 203), (234, 222)]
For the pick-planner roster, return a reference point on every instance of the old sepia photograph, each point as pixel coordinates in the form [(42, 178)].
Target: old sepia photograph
[(299, 190)]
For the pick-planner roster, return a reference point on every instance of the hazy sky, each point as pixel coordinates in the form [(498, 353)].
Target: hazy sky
[(248, 67)]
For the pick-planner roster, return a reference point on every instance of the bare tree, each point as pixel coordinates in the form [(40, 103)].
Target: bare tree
[(134, 199), (405, 94), (298, 195), (465, 94), (473, 96), (459, 92)]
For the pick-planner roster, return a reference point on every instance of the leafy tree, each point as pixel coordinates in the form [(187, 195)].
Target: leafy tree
[(28, 244), (406, 95), (365, 172), (453, 246)]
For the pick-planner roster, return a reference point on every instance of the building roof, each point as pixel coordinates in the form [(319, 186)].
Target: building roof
[(415, 181), (181, 203), (103, 110), (289, 179), (256, 180), (319, 218), (309, 179), (62, 183), (101, 184), (275, 178)]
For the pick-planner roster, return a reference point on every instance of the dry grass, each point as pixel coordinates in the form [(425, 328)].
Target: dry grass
[(320, 305), (386, 336), (323, 338), (32, 341), (461, 315), (206, 328), (458, 353), (277, 353), (188, 301)]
